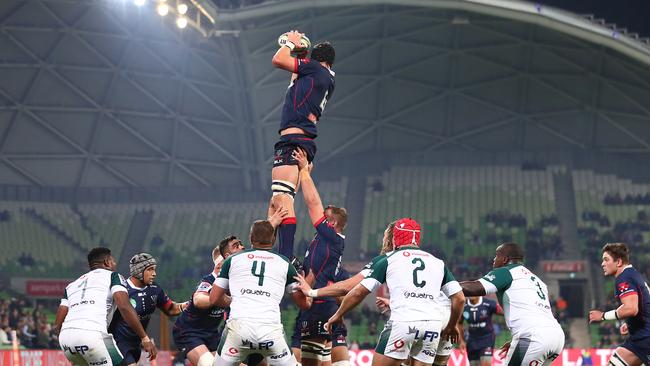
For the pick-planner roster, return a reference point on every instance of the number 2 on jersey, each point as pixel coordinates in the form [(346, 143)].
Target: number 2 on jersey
[(260, 275), (420, 267)]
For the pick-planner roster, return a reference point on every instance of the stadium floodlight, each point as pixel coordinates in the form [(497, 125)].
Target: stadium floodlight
[(163, 9), (181, 22), (139, 2), (182, 8)]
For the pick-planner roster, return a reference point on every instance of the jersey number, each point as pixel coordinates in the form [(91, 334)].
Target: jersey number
[(420, 267), (322, 103), (84, 284), (260, 275), (540, 293)]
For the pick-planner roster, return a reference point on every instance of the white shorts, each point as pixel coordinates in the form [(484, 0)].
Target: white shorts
[(417, 339), (89, 347), (535, 349), (241, 339), (445, 346)]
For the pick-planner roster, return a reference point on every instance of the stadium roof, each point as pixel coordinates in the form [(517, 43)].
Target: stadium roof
[(102, 93)]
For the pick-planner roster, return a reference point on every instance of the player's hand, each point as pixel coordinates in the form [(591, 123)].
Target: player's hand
[(278, 216), (294, 37), (595, 316), (149, 347), (624, 330), (303, 285), (503, 351), (301, 157), (383, 304), (336, 318), (450, 333)]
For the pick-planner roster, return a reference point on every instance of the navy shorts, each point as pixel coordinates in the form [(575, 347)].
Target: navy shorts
[(476, 354), (640, 347), (130, 351), (287, 144), (312, 324), (295, 337), (188, 339)]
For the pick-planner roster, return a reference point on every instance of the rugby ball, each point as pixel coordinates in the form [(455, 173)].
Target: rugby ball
[(305, 43)]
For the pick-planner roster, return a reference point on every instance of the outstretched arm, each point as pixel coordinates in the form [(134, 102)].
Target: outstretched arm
[(309, 191), (473, 288), (351, 300), (337, 289)]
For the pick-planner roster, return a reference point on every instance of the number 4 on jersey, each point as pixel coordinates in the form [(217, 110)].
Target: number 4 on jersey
[(260, 275)]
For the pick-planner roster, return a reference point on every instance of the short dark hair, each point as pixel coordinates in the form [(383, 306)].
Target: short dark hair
[(617, 251), (341, 215), (223, 244), (98, 255), (262, 232), (323, 52), (512, 251)]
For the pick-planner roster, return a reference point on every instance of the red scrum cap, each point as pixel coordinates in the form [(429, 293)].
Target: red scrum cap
[(406, 232)]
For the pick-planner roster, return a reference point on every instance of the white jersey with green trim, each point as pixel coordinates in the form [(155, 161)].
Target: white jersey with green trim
[(257, 280), (90, 300), (415, 279), (523, 297)]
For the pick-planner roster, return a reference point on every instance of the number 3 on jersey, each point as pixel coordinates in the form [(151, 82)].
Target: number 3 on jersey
[(260, 275)]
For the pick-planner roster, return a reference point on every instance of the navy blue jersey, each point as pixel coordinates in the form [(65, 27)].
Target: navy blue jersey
[(144, 300), (323, 257), (201, 320), (307, 95), (630, 282), (479, 318)]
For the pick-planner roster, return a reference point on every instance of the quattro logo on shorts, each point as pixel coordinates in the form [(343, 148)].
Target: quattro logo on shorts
[(102, 362), (420, 295), (429, 353), (281, 355), (254, 292)]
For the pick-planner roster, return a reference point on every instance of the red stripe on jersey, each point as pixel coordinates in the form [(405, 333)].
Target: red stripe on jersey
[(311, 88), (288, 221), (168, 304), (628, 293), (295, 65), (320, 221)]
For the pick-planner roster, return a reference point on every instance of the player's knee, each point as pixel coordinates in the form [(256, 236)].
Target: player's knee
[(206, 359), (341, 363), (441, 360), (616, 360), (316, 351), (279, 187)]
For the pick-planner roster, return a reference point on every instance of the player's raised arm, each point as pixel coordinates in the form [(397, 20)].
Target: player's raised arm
[(309, 191), (282, 58), (61, 313)]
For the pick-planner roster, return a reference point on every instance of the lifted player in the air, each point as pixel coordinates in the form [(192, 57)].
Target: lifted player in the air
[(312, 85), (322, 264), (537, 338), (633, 293), (86, 309), (145, 296), (257, 280)]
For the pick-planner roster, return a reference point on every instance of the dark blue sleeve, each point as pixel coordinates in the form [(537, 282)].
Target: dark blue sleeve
[(164, 301), (326, 230), (625, 285), (305, 66), (493, 307), (342, 275)]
